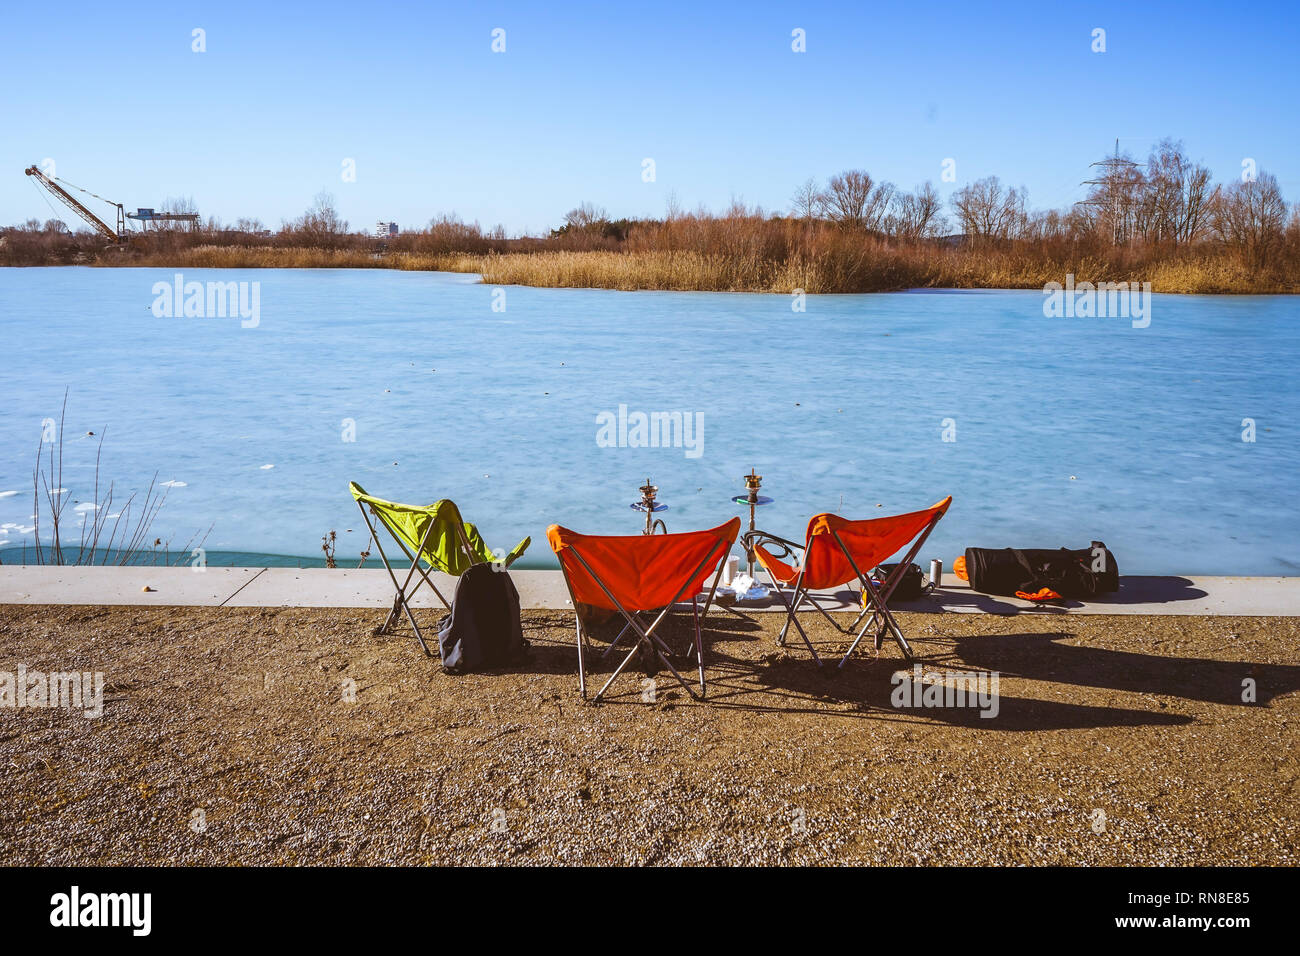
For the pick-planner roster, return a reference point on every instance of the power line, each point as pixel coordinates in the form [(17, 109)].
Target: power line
[(51, 205), (1119, 183), (86, 191)]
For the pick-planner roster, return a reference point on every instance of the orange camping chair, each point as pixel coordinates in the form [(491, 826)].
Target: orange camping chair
[(635, 573), (835, 551)]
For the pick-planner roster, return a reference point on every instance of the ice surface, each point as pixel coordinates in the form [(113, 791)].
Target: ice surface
[(1066, 429)]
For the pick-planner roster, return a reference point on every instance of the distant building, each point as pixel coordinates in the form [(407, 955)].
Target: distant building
[(386, 230)]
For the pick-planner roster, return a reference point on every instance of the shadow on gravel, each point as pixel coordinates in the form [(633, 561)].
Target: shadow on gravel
[(785, 680), (1042, 657), (865, 688)]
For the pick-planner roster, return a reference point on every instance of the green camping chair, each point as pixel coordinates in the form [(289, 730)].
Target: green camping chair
[(437, 533)]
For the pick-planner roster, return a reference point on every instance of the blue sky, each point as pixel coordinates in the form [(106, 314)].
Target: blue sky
[(437, 122)]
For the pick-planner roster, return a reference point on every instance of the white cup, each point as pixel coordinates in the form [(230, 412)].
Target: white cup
[(730, 569)]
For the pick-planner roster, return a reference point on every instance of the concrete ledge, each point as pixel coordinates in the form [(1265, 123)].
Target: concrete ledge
[(371, 587), (33, 584)]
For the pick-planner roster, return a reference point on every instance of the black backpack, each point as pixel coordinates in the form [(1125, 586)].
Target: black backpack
[(483, 629), (1078, 574)]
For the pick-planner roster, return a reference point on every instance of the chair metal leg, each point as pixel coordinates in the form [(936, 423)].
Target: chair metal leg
[(404, 591), (400, 599), (418, 636), (824, 613), (618, 670), (879, 597), (699, 646), (615, 641), (858, 620), (887, 624), (582, 669), (577, 627), (780, 638), (852, 647), (799, 595), (790, 617), (393, 615), (680, 679)]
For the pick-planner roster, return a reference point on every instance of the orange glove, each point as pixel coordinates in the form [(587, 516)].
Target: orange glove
[(1045, 594)]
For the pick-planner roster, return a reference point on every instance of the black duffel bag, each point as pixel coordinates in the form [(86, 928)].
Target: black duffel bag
[(1076, 575)]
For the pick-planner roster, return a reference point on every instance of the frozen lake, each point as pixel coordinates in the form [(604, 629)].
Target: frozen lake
[(1062, 429)]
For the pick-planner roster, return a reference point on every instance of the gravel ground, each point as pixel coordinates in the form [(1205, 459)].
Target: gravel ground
[(229, 737)]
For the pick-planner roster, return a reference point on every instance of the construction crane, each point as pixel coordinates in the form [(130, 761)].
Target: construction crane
[(58, 192), (146, 217)]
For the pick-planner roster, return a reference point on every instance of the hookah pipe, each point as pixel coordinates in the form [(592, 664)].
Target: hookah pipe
[(751, 497), (651, 508)]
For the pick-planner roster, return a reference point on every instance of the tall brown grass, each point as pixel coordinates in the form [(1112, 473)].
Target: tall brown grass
[(840, 266), (737, 252), (883, 270), (298, 257)]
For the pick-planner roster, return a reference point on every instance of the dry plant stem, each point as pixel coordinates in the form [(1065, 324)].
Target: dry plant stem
[(132, 522)]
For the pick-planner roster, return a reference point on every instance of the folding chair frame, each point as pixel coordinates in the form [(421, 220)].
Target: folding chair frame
[(875, 597), (637, 614), (402, 597), (801, 594), (646, 636)]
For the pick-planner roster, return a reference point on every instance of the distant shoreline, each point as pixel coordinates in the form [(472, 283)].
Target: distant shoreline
[(888, 270)]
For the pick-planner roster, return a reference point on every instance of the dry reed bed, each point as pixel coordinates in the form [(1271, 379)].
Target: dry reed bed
[(839, 270), (688, 271)]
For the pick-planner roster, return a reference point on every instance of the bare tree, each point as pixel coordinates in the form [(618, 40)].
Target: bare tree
[(1292, 235), (672, 207), (180, 205), (1041, 225), (1250, 216), (916, 215), (1177, 197), (807, 199), (878, 207), (987, 211), (320, 226), (855, 200), (585, 216)]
